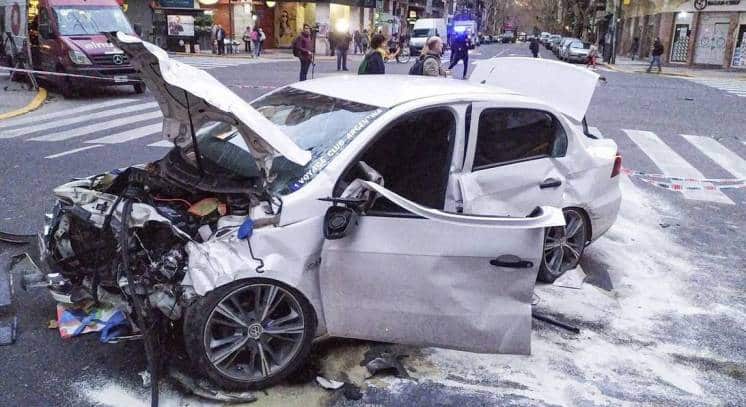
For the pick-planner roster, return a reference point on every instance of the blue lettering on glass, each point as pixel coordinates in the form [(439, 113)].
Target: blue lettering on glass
[(321, 162)]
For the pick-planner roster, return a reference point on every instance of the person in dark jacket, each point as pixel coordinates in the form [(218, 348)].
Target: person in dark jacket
[(656, 55), (220, 38), (634, 47), (303, 49), (343, 46), (534, 47), (460, 52), (374, 64)]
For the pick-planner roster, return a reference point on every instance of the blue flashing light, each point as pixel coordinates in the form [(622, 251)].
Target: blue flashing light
[(459, 28)]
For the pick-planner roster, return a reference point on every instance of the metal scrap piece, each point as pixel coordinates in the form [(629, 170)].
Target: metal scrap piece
[(202, 389), (16, 239), (8, 332)]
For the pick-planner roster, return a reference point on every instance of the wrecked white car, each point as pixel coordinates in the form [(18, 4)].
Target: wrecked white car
[(332, 207)]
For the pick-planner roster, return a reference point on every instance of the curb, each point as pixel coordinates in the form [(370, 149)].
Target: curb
[(34, 104), (617, 69)]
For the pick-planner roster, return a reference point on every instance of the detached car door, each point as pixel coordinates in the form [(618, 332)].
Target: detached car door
[(513, 161), (435, 278)]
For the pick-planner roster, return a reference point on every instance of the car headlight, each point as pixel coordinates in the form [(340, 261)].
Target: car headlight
[(79, 58)]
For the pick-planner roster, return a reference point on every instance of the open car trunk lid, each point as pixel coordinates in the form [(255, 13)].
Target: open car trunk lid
[(190, 97), (566, 87)]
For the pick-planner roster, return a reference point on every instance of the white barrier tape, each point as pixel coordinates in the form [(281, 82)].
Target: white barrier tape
[(673, 186), (71, 75), (683, 179)]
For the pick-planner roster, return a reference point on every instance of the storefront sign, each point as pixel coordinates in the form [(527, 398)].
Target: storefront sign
[(702, 4), (177, 3)]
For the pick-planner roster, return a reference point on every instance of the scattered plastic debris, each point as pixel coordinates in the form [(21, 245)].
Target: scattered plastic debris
[(145, 376), (207, 391), (387, 363), (79, 319), (329, 384), (52, 324), (8, 332), (571, 279)]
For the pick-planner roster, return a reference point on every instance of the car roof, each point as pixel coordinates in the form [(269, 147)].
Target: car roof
[(391, 90)]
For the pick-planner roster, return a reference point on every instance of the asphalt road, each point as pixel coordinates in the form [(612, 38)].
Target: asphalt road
[(670, 333)]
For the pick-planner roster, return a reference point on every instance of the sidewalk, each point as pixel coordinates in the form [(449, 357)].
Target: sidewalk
[(16, 98), (273, 53), (627, 65)]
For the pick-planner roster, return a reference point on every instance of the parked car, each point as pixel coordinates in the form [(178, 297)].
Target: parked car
[(544, 37), (340, 207), (577, 51), (562, 47), (553, 42)]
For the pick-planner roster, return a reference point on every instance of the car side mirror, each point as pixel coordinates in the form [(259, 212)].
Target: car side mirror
[(339, 222)]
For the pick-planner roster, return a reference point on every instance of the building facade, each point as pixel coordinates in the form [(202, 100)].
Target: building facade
[(709, 33)]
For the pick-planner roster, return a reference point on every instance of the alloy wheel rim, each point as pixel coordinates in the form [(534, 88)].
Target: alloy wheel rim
[(254, 332), (563, 245)]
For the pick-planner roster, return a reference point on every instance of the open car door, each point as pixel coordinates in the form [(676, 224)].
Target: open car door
[(435, 278)]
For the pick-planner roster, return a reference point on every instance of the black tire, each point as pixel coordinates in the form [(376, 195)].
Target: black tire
[(65, 85), (546, 275), (139, 88), (196, 317)]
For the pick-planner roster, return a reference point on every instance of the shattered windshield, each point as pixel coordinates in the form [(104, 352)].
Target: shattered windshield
[(320, 124), (91, 20)]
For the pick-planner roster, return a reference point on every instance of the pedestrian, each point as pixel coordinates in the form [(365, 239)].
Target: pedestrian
[(590, 61), (255, 40), (365, 41), (343, 46), (220, 38), (460, 52), (430, 57), (373, 63), (213, 38), (357, 38), (634, 47), (534, 47), (262, 38), (656, 55), (332, 38), (247, 40), (303, 50)]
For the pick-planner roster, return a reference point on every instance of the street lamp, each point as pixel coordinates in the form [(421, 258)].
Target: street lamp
[(270, 3)]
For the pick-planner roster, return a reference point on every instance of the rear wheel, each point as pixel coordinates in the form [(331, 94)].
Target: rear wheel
[(65, 85), (563, 246), (249, 334)]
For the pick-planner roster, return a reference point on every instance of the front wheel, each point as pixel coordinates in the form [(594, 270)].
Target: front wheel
[(563, 246), (249, 334)]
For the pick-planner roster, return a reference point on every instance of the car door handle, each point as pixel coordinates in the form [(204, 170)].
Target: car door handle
[(511, 261), (550, 183)]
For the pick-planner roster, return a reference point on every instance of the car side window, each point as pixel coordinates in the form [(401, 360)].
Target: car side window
[(505, 136)]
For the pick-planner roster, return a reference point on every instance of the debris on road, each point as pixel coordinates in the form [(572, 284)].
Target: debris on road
[(571, 279), (13, 238), (207, 391), (329, 384), (352, 391), (8, 332), (385, 363), (145, 376), (555, 322)]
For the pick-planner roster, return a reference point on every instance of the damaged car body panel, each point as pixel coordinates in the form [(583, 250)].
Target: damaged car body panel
[(435, 278), (190, 97)]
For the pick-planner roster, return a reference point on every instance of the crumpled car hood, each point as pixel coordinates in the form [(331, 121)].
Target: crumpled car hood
[(181, 89), (566, 87)]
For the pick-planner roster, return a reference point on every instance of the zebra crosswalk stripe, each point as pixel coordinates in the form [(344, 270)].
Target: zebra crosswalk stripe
[(670, 162), (92, 128), (129, 135), (61, 113), (93, 117), (720, 154)]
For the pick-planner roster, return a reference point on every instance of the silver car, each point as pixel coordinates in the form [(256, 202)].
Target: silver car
[(577, 51)]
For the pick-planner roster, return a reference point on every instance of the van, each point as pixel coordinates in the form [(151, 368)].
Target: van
[(425, 28), (65, 36), (470, 27)]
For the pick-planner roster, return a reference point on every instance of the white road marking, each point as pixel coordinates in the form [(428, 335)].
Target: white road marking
[(82, 131), (718, 153), (73, 151), (671, 163), (77, 119), (35, 118), (162, 143), (129, 135)]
